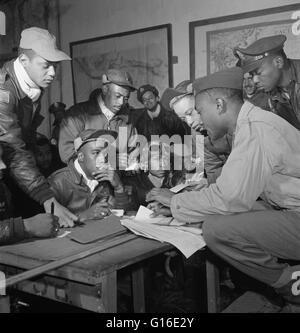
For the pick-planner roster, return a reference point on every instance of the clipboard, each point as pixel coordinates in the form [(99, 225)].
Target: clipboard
[(95, 230)]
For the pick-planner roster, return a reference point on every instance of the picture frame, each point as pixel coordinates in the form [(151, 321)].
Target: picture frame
[(145, 53), (212, 40)]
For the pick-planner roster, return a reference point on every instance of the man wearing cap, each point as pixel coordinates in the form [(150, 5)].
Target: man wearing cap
[(264, 162), (105, 110), (22, 81), (88, 186), (182, 101), (275, 74), (154, 119)]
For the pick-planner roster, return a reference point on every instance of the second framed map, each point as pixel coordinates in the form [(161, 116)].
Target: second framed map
[(146, 54), (212, 40)]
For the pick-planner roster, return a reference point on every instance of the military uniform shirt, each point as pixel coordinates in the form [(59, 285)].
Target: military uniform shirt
[(264, 162)]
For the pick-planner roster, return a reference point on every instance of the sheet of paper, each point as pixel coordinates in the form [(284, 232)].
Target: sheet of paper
[(188, 241), (144, 216), (178, 188)]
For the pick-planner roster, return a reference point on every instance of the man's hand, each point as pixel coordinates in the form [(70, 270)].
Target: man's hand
[(66, 218), (41, 226), (161, 195), (159, 209), (108, 175), (97, 211)]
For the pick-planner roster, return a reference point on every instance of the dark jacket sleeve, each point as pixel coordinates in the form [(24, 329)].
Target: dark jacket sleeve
[(11, 231), (70, 127), (20, 161), (174, 125)]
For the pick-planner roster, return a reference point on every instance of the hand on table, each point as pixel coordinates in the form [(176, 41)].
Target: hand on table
[(161, 195), (98, 211), (159, 209)]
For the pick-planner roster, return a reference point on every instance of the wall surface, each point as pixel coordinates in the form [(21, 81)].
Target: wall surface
[(82, 19)]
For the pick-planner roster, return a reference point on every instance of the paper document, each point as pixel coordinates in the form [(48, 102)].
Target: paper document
[(186, 237), (144, 216), (188, 240)]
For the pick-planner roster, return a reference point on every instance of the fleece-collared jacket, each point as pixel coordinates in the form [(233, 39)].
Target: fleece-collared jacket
[(88, 115), (17, 128)]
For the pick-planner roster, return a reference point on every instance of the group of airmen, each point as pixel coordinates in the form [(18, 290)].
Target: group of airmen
[(250, 113)]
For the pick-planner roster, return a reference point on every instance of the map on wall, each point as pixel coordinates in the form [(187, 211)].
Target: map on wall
[(213, 40), (145, 55), (221, 43)]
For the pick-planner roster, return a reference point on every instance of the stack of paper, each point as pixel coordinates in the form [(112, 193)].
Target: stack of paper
[(186, 238)]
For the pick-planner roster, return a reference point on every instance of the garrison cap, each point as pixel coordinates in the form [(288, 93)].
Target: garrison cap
[(229, 78), (118, 77), (172, 95), (143, 89), (252, 56), (89, 135), (43, 43)]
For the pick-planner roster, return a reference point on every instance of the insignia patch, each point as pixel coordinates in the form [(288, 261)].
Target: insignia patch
[(4, 96)]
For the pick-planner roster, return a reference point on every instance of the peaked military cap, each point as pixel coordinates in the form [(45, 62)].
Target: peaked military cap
[(252, 56)]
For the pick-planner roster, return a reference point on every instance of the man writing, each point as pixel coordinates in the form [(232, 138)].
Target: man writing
[(14, 229), (21, 83), (264, 162)]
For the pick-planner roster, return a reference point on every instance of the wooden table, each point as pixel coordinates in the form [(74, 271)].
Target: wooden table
[(89, 283)]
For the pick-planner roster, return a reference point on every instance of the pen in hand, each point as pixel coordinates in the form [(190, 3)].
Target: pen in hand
[(52, 208)]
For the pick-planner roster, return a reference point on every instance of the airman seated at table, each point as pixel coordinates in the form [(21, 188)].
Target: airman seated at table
[(90, 186), (264, 162), (157, 163)]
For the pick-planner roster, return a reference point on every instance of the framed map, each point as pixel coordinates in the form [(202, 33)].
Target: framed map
[(146, 54), (212, 40)]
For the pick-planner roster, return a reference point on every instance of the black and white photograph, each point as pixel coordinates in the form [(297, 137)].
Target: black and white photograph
[(150, 159)]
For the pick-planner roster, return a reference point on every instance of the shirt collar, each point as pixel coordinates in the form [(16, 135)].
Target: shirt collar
[(108, 114), (91, 183)]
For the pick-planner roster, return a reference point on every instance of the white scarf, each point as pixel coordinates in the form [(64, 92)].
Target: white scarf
[(91, 183), (27, 85)]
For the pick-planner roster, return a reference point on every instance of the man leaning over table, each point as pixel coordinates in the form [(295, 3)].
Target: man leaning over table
[(264, 162), (22, 81)]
